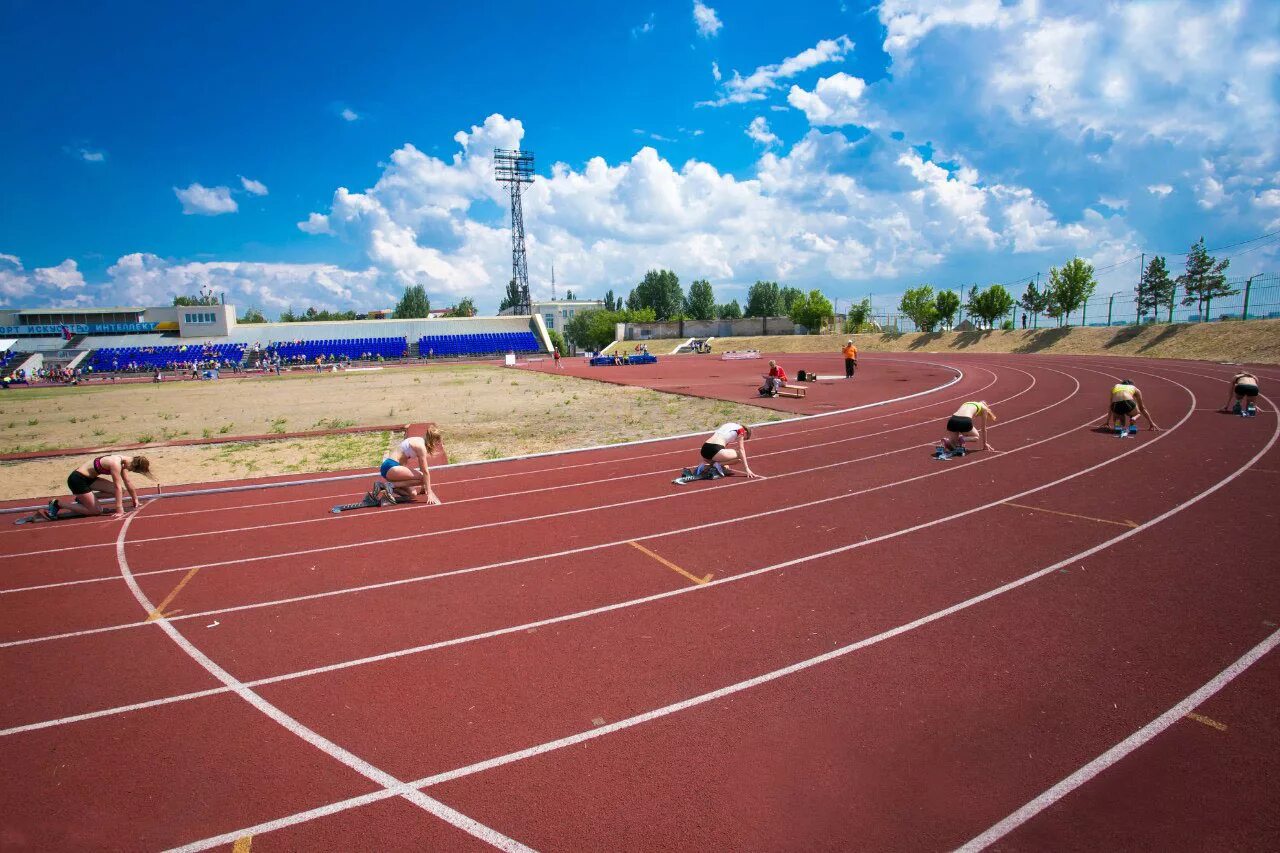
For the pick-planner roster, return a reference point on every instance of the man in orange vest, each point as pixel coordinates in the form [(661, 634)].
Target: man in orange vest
[(850, 359)]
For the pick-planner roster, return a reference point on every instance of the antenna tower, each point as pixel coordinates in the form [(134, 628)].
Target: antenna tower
[(514, 169)]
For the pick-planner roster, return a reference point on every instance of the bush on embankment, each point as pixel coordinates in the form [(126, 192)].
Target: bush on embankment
[(1254, 341)]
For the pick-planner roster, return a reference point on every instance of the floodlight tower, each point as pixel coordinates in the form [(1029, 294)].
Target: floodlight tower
[(514, 169)]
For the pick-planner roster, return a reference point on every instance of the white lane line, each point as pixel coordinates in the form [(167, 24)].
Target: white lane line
[(542, 622), (550, 555), (329, 517), (1121, 750), (499, 523), (668, 710), (328, 747)]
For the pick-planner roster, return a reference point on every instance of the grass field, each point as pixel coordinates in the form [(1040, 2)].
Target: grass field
[(485, 412)]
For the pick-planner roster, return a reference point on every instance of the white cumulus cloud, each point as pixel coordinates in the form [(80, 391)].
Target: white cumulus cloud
[(755, 86), (1160, 190), (706, 19), (206, 201), (253, 187), (349, 114), (91, 156), (835, 101), (643, 29), (759, 131)]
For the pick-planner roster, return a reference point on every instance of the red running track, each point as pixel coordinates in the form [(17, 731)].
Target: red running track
[(1062, 645)]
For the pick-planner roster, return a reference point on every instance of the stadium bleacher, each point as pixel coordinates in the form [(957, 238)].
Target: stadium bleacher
[(352, 348), (477, 344), (119, 358)]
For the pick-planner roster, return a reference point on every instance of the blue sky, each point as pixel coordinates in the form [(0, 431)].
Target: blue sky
[(312, 154)]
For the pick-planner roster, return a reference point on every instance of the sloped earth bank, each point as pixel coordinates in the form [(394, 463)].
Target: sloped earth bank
[(1252, 342)]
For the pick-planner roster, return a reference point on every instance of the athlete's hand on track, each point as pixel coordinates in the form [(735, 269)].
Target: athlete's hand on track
[(432, 499), (751, 476)]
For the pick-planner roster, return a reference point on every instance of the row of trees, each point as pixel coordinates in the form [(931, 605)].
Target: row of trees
[(929, 310), (1203, 282)]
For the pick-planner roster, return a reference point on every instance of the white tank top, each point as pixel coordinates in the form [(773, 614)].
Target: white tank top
[(406, 450), (726, 433)]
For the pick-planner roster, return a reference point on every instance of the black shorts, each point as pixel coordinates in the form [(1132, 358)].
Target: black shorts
[(710, 450), (79, 484), (958, 423), (1124, 407), (1246, 390)]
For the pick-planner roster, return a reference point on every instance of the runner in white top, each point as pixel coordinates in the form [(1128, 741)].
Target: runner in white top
[(404, 482), (716, 452)]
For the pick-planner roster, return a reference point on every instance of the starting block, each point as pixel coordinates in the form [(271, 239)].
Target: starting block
[(797, 391)]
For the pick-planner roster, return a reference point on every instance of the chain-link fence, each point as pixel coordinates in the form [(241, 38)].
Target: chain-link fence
[(1256, 297)]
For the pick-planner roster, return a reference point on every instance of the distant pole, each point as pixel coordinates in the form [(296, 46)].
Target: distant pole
[(1244, 315), (514, 169), (1142, 268), (1110, 302)]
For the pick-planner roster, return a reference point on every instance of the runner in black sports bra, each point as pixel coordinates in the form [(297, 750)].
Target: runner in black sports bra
[(106, 476)]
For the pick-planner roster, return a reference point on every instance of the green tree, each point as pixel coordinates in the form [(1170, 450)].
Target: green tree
[(595, 329), (611, 304), (811, 311), (252, 315), (659, 290), (1033, 300), (557, 342), (919, 304), (287, 315), (730, 311), (414, 304), (789, 295), (1069, 288), (1204, 280), (947, 303), (991, 304), (466, 307), (512, 297), (700, 303), (206, 297), (764, 299), (859, 316), (1155, 288)]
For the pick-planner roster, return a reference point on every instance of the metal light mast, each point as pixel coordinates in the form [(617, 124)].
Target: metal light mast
[(514, 169)]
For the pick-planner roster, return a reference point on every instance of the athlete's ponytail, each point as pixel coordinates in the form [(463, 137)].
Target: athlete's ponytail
[(432, 438)]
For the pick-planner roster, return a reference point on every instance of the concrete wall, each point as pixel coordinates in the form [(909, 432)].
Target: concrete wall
[(216, 321), (741, 328)]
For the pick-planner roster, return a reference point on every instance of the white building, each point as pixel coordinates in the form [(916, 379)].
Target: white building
[(556, 313)]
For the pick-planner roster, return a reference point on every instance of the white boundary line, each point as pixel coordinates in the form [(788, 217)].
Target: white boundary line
[(658, 713), (571, 616), (328, 747), (959, 374), (1121, 750)]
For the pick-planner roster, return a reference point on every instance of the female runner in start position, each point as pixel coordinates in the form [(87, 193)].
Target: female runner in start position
[(1125, 408), (1244, 388), (716, 453), (960, 426), (94, 481), (406, 471)]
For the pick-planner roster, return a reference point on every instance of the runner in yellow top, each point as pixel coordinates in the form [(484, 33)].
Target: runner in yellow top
[(1124, 409), (960, 427)]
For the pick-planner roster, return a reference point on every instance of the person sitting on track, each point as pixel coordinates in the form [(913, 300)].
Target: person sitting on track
[(716, 453), (960, 427), (403, 483), (1244, 388), (94, 481), (1125, 408)]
